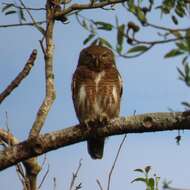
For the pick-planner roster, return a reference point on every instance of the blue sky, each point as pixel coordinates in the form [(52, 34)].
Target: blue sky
[(150, 85)]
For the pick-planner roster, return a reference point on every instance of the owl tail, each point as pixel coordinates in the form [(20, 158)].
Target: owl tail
[(96, 147)]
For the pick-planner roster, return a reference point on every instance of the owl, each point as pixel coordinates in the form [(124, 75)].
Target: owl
[(96, 92)]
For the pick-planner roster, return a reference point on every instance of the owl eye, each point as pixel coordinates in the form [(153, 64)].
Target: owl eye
[(104, 55)]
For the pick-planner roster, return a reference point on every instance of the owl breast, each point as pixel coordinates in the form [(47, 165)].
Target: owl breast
[(98, 97)]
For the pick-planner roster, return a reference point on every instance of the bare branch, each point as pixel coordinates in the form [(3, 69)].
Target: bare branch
[(166, 28), (28, 8), (20, 77), (99, 184), (31, 165), (49, 76), (113, 166), (21, 24), (44, 177), (74, 177), (151, 122), (90, 5)]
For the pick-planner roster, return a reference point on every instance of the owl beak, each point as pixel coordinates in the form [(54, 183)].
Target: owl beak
[(97, 63)]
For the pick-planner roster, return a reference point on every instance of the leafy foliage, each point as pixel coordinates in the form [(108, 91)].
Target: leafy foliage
[(151, 183)]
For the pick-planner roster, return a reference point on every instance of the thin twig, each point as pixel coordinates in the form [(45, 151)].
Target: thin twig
[(20, 76), (54, 183), (21, 24), (44, 177), (28, 8), (99, 184), (74, 177), (77, 6), (39, 28), (113, 166)]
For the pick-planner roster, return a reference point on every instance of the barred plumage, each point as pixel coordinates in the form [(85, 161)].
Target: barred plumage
[(97, 90)]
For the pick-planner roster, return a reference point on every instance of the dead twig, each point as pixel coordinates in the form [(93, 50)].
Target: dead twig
[(44, 177), (20, 76), (74, 177), (99, 184), (113, 166)]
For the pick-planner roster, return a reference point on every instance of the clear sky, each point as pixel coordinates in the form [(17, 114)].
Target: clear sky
[(150, 85)]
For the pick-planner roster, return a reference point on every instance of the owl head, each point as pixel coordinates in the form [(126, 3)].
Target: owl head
[(96, 58)]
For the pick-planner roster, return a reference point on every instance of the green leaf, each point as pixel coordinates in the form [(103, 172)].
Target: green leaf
[(10, 12), (187, 104), (120, 37), (139, 170), (140, 48), (180, 9), (103, 25), (105, 42), (173, 53), (140, 14), (139, 179), (176, 33), (182, 46), (7, 7), (182, 75), (21, 15), (131, 6), (174, 19), (151, 183), (88, 38), (84, 24)]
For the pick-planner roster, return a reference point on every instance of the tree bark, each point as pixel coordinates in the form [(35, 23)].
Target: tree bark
[(150, 122)]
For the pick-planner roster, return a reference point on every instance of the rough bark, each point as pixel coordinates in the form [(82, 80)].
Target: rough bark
[(151, 122)]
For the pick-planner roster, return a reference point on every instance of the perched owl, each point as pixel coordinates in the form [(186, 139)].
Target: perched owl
[(96, 92)]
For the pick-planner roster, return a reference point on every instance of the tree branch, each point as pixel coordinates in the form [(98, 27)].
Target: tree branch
[(151, 122), (22, 24), (32, 168), (90, 5), (49, 75), (20, 76)]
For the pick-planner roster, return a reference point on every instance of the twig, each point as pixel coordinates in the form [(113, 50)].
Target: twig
[(113, 166), (21, 24), (99, 184), (75, 175), (28, 8), (44, 177), (165, 28), (54, 183), (20, 76), (39, 28), (88, 6)]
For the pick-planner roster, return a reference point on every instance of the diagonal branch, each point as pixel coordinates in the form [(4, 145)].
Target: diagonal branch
[(114, 163), (151, 122), (90, 5), (20, 77)]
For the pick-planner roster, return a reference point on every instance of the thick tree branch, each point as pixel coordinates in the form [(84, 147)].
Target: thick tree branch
[(20, 76), (151, 122)]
